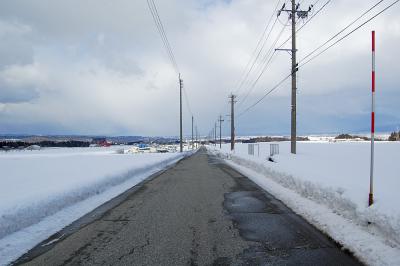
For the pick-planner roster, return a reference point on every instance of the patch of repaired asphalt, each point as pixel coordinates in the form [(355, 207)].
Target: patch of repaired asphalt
[(283, 237)]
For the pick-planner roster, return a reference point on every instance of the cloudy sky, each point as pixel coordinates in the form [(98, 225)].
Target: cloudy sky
[(99, 67)]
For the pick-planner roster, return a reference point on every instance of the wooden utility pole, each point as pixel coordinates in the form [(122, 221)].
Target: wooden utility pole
[(293, 122), (293, 12), (180, 113), (215, 134), (220, 120), (232, 101)]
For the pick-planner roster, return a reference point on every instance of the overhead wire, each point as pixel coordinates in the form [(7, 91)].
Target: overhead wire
[(159, 25), (266, 62), (187, 101), (257, 48), (338, 33), (345, 36), (257, 52), (160, 28), (307, 21), (265, 95), (255, 59), (342, 38)]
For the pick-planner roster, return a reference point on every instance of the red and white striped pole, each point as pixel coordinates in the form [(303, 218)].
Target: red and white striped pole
[(371, 179)]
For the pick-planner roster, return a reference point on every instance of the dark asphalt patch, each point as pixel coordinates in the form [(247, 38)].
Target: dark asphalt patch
[(284, 238)]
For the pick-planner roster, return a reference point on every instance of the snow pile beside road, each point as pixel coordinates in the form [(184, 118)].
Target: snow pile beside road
[(331, 179), (43, 191)]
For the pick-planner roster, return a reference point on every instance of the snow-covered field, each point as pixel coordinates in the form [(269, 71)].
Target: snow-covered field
[(328, 184), (43, 191)]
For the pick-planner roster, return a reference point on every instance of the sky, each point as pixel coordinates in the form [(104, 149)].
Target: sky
[(99, 67)]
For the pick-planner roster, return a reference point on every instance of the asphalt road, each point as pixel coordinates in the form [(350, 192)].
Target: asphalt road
[(199, 212)]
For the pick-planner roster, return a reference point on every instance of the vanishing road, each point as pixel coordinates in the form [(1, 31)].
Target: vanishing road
[(199, 212)]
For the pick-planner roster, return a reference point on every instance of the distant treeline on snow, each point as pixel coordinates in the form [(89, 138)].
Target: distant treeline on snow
[(47, 143), (348, 136), (272, 139), (394, 136), (11, 142)]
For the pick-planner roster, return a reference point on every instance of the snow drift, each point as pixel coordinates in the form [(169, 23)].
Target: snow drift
[(43, 191), (333, 176)]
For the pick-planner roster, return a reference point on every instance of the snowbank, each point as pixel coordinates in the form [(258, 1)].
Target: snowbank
[(335, 177), (43, 191)]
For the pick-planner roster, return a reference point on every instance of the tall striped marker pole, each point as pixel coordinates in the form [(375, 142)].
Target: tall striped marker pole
[(371, 179)]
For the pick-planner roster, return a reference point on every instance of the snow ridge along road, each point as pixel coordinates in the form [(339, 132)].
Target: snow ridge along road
[(312, 187), (44, 191), (199, 212)]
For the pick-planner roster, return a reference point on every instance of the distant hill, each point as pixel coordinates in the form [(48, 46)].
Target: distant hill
[(77, 140)]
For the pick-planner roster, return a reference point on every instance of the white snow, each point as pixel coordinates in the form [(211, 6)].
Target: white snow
[(43, 191), (328, 184)]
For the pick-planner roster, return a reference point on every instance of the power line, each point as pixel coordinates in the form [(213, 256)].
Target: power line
[(270, 59), (187, 101), (283, 80), (315, 14), (167, 46), (255, 60), (256, 53), (161, 31), (266, 94), (268, 54), (250, 90), (266, 62), (160, 28), (345, 28), (242, 80), (307, 21), (345, 36)]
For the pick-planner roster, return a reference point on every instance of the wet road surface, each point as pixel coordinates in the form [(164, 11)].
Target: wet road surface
[(199, 212)]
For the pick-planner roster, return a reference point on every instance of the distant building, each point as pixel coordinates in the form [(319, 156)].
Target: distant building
[(33, 147), (101, 142)]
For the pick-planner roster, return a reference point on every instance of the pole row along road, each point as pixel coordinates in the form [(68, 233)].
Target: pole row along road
[(199, 212)]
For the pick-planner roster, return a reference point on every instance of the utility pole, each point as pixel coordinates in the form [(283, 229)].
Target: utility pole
[(292, 16), (293, 124), (180, 112), (197, 145), (232, 101), (215, 134), (192, 135), (220, 131)]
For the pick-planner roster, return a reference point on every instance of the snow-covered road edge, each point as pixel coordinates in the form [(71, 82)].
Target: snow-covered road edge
[(16, 244), (369, 247)]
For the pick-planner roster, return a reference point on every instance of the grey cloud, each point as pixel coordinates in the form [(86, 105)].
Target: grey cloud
[(15, 45), (20, 83), (9, 94), (87, 66)]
